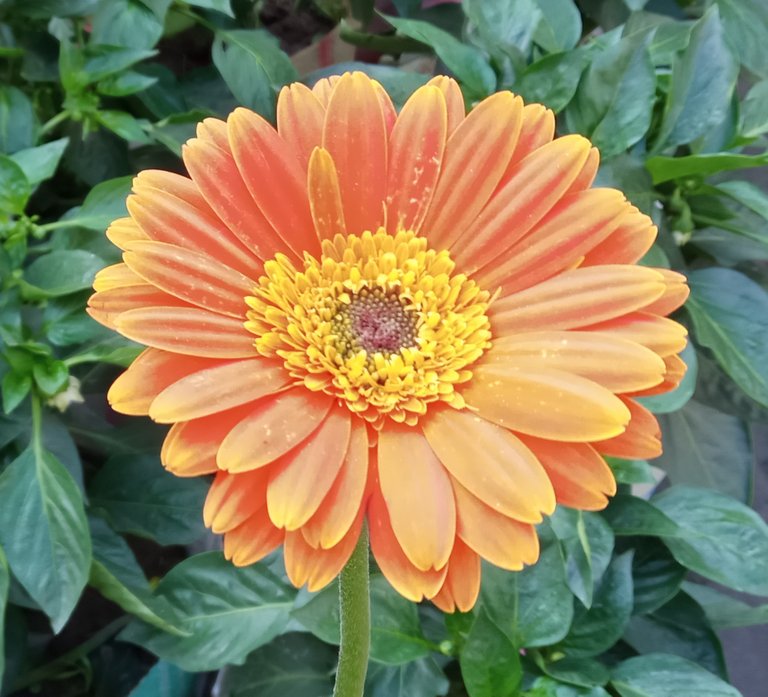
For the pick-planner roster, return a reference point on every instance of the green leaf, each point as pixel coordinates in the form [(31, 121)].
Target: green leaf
[(656, 576), (746, 26), (502, 27), (139, 496), (464, 61), (293, 665), (705, 447), (63, 272), (582, 672), (754, 111), (123, 124), (15, 188), (490, 664), (596, 629), (631, 515), (533, 607), (702, 82), (719, 538), (628, 174), (165, 680), (717, 390), (553, 80), (44, 532), (559, 28), (18, 122), (681, 628), (665, 169), (631, 471), (222, 6), (422, 678), (5, 580), (125, 83), (249, 608), (253, 66), (103, 204), (15, 387), (40, 163), (681, 395), (730, 317), (51, 376), (547, 687), (725, 612), (128, 23), (661, 675)]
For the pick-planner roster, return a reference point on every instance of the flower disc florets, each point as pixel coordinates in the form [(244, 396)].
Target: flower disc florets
[(380, 321)]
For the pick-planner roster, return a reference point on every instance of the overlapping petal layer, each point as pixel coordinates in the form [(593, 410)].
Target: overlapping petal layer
[(426, 321)]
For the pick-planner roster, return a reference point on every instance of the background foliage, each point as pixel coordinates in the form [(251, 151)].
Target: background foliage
[(103, 567)]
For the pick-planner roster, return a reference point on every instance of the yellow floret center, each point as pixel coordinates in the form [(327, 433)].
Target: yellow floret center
[(379, 321)]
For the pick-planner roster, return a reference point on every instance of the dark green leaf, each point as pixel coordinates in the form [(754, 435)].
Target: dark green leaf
[(490, 663), (628, 174), (559, 28), (681, 395), (50, 376), (746, 26), (664, 169), (165, 680), (465, 62), (141, 497), (127, 82), (15, 188), (422, 678), (661, 675), (582, 672), (5, 580), (717, 390), (533, 607), (631, 471), (293, 665), (128, 23), (754, 111), (40, 163), (703, 79), (249, 608), (656, 576), (501, 27), (553, 80), (62, 272), (547, 687), (218, 5), (18, 122), (123, 124), (725, 612), (15, 387), (631, 515), (44, 532), (103, 204), (720, 538), (730, 317), (705, 447)]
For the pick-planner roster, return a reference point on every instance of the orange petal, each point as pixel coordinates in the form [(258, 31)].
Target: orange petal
[(214, 130), (219, 180), (504, 542), (454, 100), (462, 583), (190, 447), (107, 305), (272, 173), (218, 388), (415, 154), (580, 477), (491, 463), (253, 540), (360, 152), (300, 116), (324, 87), (625, 245), (537, 130), (568, 231), (171, 183), (577, 298), (406, 579), (152, 371), (233, 498), (675, 369), (116, 276), (187, 330), (318, 567), (123, 231), (342, 504), (532, 190), (659, 334), (418, 495), (325, 195), (387, 107), (191, 276), (618, 364), (675, 293), (272, 429), (476, 156), (588, 172), (546, 403), (641, 440), (303, 477)]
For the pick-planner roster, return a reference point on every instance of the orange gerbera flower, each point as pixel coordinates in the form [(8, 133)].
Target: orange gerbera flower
[(426, 319)]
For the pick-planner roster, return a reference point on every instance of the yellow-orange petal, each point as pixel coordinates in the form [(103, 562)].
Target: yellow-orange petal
[(416, 148), (233, 498), (546, 403), (580, 477), (490, 462), (659, 334), (360, 154), (176, 185), (476, 155), (323, 88), (273, 174), (538, 129), (325, 195), (462, 582), (133, 392), (123, 231), (675, 293), (116, 276), (405, 578), (388, 110), (316, 568), (586, 176), (577, 298), (214, 130), (190, 447), (252, 540), (301, 479), (107, 305), (533, 188), (187, 330), (275, 426), (454, 100), (191, 276), (675, 369), (641, 440), (418, 496), (626, 244), (300, 116), (218, 388), (618, 364), (341, 505), (504, 542)]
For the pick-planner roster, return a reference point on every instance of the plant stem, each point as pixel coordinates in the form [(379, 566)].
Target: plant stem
[(53, 122), (355, 603)]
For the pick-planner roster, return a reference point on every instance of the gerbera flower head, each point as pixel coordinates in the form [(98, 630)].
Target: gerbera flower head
[(428, 320)]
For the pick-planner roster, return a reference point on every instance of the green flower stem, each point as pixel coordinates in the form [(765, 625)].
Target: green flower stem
[(355, 603)]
